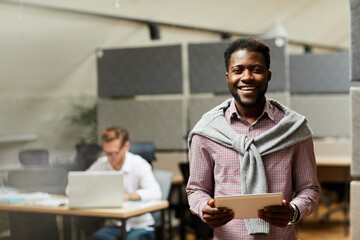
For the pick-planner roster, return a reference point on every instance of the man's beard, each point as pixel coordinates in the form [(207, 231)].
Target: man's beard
[(248, 104)]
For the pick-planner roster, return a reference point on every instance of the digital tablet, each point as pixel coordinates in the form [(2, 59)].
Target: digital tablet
[(247, 206)]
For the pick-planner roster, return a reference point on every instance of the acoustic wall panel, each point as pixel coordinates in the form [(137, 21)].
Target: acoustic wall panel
[(200, 105), (328, 114), (135, 71), (354, 210), (319, 73), (355, 40), (207, 68), (355, 131), (158, 121)]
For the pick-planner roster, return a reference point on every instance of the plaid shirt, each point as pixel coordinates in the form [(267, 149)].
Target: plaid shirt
[(215, 171)]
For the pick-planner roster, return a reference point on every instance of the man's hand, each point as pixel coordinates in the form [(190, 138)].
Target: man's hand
[(131, 197), (277, 215), (216, 217)]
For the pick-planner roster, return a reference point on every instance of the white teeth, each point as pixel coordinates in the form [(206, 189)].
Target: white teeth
[(247, 88)]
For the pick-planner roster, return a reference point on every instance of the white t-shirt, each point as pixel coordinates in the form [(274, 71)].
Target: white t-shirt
[(138, 177)]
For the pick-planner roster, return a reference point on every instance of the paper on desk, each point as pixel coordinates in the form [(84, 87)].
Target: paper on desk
[(7, 190), (13, 197), (51, 202)]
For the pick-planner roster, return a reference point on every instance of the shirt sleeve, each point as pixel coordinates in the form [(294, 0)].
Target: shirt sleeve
[(149, 188), (306, 184), (200, 187), (101, 164)]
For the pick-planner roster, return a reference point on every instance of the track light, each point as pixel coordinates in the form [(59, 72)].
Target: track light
[(307, 48), (154, 31), (225, 36)]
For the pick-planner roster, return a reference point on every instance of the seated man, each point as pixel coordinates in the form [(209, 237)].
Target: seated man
[(139, 184)]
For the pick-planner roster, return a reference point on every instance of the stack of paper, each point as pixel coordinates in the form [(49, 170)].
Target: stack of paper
[(13, 197)]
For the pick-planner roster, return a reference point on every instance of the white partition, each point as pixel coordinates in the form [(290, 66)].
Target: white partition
[(355, 131), (328, 114), (355, 210)]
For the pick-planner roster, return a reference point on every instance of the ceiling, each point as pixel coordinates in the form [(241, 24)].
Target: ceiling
[(323, 23)]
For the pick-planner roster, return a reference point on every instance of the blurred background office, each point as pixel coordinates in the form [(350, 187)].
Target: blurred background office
[(66, 66)]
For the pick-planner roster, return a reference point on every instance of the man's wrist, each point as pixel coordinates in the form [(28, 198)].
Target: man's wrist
[(134, 197), (296, 213)]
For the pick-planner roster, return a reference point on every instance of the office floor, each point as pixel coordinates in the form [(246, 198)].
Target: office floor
[(311, 229), (333, 229)]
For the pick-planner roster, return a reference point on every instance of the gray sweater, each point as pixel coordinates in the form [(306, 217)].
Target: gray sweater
[(293, 128)]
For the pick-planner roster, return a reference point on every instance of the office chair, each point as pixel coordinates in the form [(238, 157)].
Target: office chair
[(201, 229), (164, 178), (86, 154), (34, 158), (145, 149), (51, 180)]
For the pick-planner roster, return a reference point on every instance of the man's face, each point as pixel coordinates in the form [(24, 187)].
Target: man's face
[(115, 152), (248, 78)]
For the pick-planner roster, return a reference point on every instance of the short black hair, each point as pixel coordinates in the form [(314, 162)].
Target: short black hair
[(249, 44)]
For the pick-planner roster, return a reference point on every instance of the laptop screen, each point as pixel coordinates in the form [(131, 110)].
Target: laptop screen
[(95, 189)]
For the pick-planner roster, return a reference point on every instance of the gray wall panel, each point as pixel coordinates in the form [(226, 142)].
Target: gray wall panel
[(158, 121), (320, 73), (134, 71), (200, 105), (207, 68), (328, 114), (355, 131), (355, 40)]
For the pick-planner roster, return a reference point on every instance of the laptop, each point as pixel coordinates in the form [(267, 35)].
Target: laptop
[(94, 189)]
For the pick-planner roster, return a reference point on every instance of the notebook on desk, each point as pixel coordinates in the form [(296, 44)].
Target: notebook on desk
[(95, 189)]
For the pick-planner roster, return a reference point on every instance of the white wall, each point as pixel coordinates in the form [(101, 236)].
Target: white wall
[(48, 64)]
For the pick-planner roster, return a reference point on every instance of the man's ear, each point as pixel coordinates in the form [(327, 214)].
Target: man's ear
[(127, 145), (269, 75), (227, 76)]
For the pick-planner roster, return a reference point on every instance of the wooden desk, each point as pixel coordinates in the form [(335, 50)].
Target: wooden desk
[(334, 169), (120, 213), (177, 179), (178, 184), (332, 160)]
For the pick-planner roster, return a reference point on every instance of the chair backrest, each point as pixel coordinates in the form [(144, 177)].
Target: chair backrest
[(185, 171), (86, 154), (164, 178), (34, 157), (145, 149), (50, 180)]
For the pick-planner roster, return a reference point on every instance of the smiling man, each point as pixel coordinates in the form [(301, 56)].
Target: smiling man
[(249, 145)]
